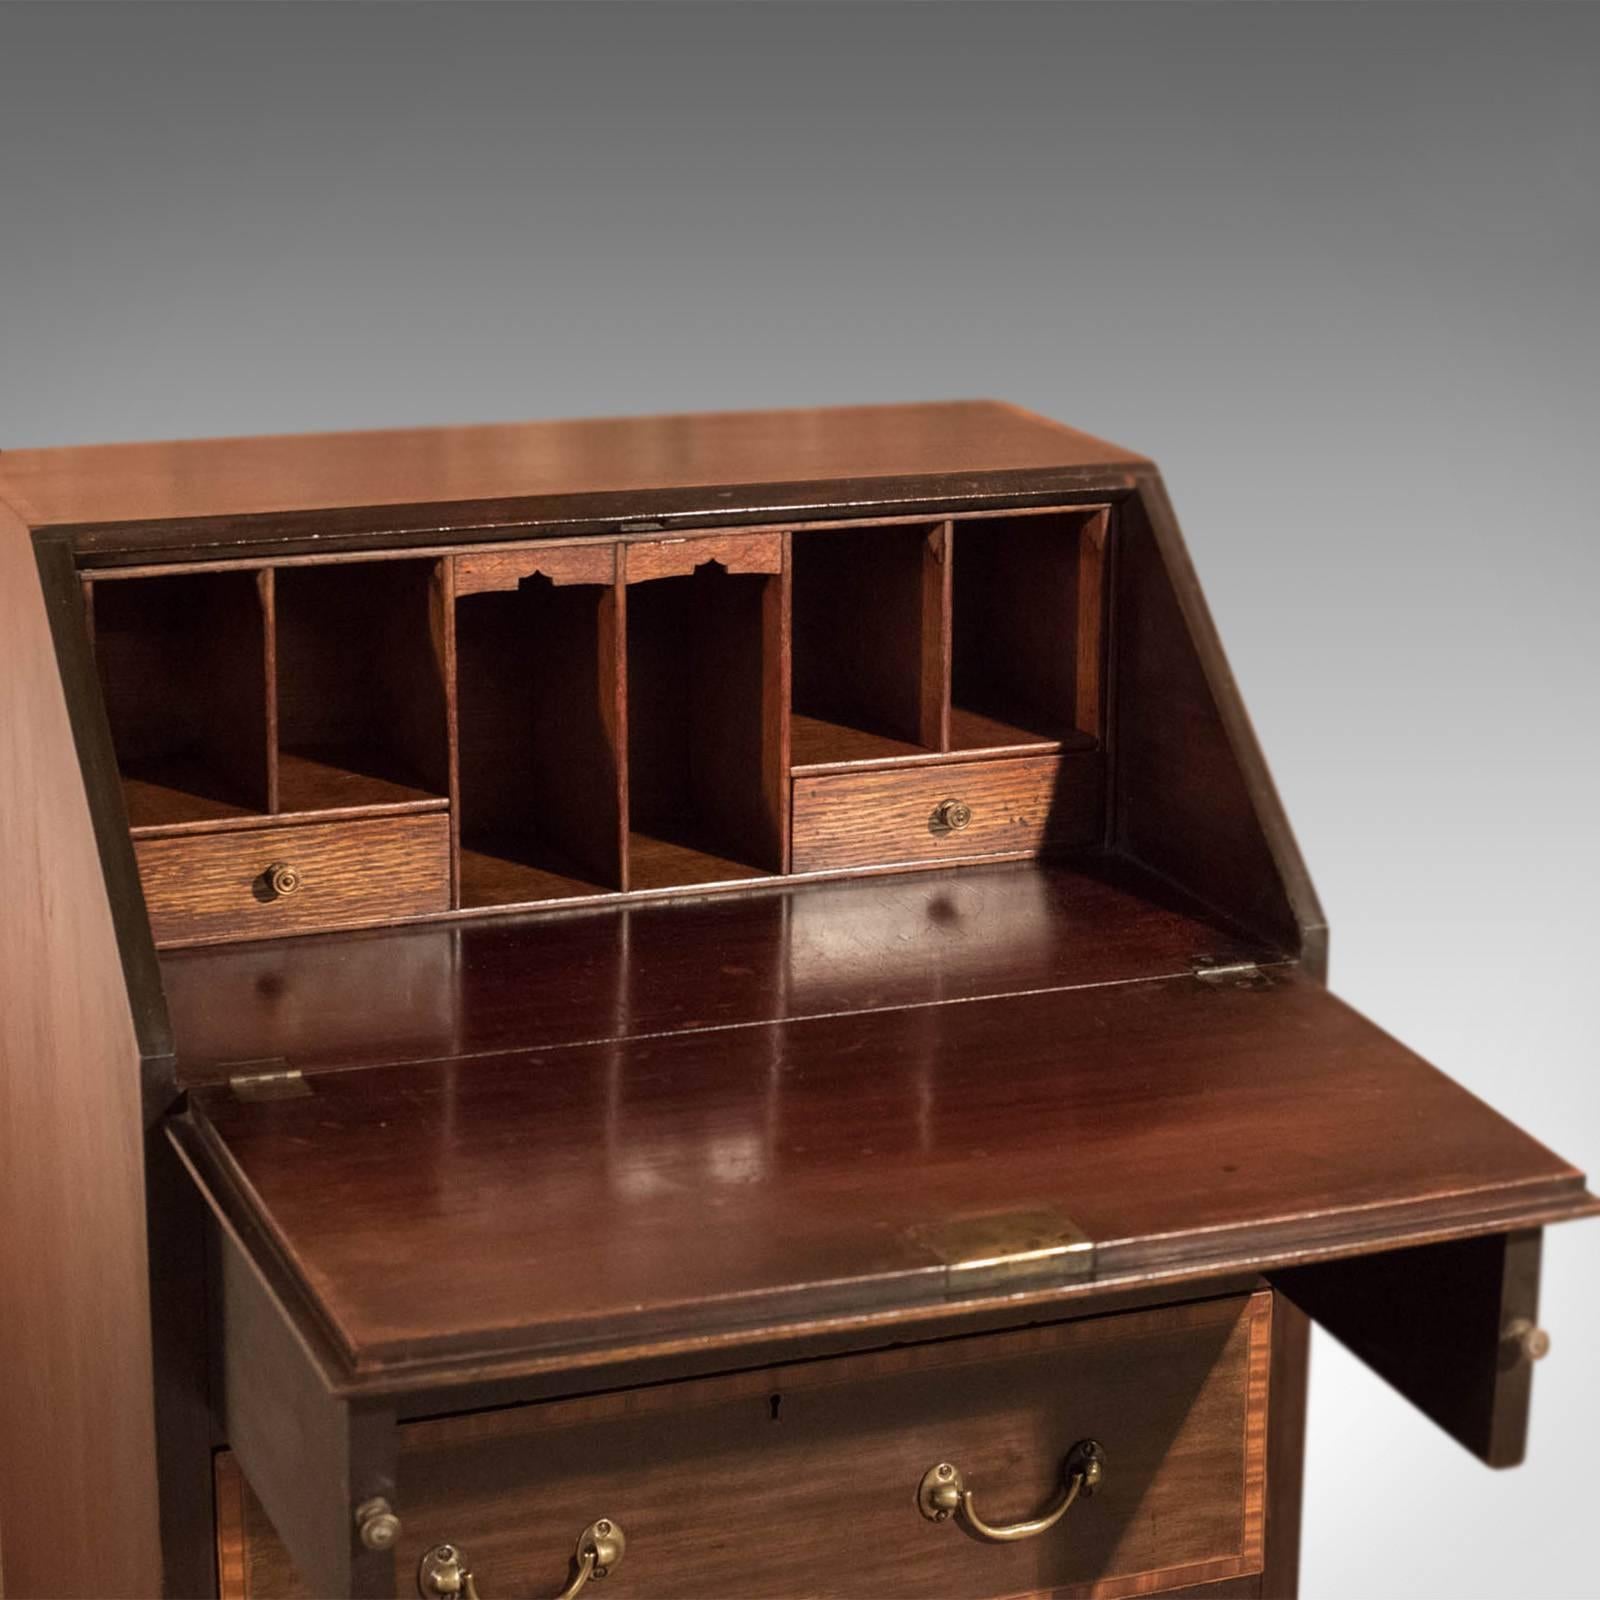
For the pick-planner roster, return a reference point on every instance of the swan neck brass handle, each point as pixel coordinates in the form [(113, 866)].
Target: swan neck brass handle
[(943, 1494), (443, 1573)]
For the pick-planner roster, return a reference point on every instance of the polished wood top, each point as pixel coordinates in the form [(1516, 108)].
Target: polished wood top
[(792, 950), (435, 479), (696, 1185)]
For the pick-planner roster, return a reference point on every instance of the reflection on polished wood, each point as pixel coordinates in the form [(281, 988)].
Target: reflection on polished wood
[(736, 1175), (614, 971)]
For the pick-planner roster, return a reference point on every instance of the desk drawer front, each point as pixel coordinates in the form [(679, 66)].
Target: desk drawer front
[(294, 879), (804, 1480), (945, 812)]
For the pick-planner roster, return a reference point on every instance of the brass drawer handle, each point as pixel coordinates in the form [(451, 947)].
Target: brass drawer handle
[(281, 879), (443, 1570), (943, 1493), (950, 816)]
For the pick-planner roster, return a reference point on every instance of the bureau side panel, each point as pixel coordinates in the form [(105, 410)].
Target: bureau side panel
[(1191, 795), (78, 1471)]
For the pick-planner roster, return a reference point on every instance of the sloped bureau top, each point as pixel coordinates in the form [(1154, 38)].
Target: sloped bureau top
[(128, 498)]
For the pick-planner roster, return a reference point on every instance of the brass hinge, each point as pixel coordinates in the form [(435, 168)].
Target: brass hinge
[(269, 1079), (1229, 974), (1007, 1248)]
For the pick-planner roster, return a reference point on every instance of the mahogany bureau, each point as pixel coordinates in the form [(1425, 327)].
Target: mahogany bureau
[(705, 1006)]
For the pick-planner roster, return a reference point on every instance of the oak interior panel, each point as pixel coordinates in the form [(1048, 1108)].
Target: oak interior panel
[(183, 669), (363, 718), (1185, 1127), (870, 663), (1026, 603), (348, 871), (1023, 804), (739, 1486), (538, 710), (705, 745)]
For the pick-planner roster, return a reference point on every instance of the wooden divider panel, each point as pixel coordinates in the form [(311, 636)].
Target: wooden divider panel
[(871, 643), (1026, 603), (707, 715), (539, 678), (561, 564), (183, 663), (599, 716), (361, 686)]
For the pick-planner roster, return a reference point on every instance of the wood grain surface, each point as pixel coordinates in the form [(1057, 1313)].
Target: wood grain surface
[(313, 1458), (76, 1404), (581, 755), (1286, 1437), (791, 950), (316, 489), (211, 886), (707, 749), (1191, 797), (660, 1130), (1020, 590), (362, 692), (541, 781), (489, 570), (1094, 605), (1019, 807), (183, 664), (870, 632), (645, 559), (741, 1486), (763, 1174)]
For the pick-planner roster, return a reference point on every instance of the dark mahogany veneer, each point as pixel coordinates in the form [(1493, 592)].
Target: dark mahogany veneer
[(547, 963)]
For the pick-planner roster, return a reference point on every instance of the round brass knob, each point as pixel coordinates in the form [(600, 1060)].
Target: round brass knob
[(377, 1524), (282, 879), (950, 816), (1531, 1343)]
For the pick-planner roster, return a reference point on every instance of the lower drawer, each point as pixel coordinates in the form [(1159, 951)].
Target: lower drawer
[(945, 811), (294, 878), (804, 1480)]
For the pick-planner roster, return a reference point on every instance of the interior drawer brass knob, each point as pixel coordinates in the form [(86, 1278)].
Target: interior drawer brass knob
[(443, 1571), (950, 816), (282, 879), (943, 1494)]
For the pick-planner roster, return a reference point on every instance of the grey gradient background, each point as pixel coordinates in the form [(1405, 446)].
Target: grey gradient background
[(1335, 267)]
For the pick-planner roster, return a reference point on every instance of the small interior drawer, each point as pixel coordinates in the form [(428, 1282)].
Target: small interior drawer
[(295, 878), (804, 1480), (945, 811)]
